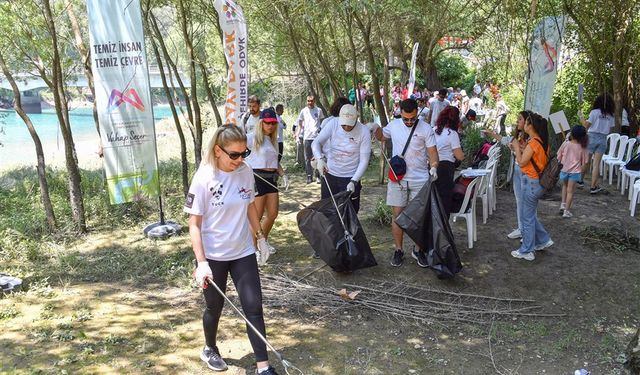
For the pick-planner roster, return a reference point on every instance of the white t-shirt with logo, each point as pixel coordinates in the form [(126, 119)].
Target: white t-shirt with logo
[(446, 142), (599, 123), (310, 120), (348, 153), (251, 122), (265, 157), (475, 104), (436, 107), (416, 156), (222, 199)]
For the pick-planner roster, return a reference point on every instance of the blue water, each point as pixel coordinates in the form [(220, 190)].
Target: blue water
[(46, 124)]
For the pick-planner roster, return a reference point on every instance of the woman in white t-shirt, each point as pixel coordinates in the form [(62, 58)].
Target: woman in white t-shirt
[(449, 150), (347, 155), (223, 221), (266, 168), (598, 126)]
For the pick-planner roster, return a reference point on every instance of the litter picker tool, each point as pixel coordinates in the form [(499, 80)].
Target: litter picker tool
[(285, 363), (275, 187), (348, 241)]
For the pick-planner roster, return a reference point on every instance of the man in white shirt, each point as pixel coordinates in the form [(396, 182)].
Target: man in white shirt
[(437, 106), (251, 118), (421, 158), (502, 109), (308, 122), (281, 127), (477, 89)]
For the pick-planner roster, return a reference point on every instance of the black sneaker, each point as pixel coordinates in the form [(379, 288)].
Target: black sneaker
[(269, 371), (421, 257), (308, 179), (595, 190), (212, 357), (580, 184), (398, 258), (315, 255)]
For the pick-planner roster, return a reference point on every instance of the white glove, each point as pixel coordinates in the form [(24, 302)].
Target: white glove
[(433, 172), (372, 127), (203, 273), (285, 182), (321, 165), (262, 253), (351, 186)]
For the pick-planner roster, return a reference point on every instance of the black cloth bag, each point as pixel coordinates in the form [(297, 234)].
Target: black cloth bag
[(320, 225), (425, 222)]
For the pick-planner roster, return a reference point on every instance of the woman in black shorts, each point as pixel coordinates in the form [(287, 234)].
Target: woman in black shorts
[(263, 143)]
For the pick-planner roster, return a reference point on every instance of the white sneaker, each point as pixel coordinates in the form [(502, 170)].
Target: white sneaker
[(563, 206), (544, 245), (514, 234), (525, 256), (567, 214)]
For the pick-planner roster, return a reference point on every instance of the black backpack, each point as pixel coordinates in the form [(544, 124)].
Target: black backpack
[(634, 163)]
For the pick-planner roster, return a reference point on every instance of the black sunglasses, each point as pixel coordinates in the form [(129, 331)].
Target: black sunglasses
[(236, 155), (411, 120)]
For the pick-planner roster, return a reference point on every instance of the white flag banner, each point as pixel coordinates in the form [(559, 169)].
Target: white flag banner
[(234, 39), (543, 64), (412, 72), (123, 99)]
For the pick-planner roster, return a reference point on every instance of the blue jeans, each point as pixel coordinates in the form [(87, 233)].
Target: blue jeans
[(533, 233), (517, 191)]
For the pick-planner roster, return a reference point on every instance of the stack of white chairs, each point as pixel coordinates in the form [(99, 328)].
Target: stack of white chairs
[(612, 140), (468, 210), (616, 156), (614, 166)]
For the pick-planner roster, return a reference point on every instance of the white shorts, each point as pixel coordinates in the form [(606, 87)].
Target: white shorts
[(399, 194)]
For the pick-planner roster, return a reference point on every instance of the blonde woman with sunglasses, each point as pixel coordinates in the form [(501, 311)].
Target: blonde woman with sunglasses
[(223, 223)]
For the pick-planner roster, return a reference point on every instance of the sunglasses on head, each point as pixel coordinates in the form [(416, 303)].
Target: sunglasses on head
[(236, 155)]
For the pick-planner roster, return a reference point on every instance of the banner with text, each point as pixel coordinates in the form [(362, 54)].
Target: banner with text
[(234, 39), (543, 64), (412, 72), (123, 99)]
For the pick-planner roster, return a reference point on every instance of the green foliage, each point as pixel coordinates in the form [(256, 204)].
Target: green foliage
[(565, 95), (382, 213), (453, 71), (470, 144)]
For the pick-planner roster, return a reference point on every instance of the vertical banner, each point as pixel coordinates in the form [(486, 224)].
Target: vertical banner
[(123, 99), (412, 72), (234, 39), (545, 47)]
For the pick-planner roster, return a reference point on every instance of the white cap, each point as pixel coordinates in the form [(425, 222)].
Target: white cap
[(348, 115), (463, 93)]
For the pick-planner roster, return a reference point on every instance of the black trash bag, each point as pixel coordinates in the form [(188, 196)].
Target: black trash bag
[(424, 221), (320, 225)]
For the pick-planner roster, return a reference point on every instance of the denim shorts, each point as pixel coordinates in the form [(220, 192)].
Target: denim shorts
[(570, 176), (597, 143)]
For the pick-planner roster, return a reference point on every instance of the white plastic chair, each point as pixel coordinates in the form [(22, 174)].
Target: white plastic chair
[(616, 165), (612, 140), (617, 157), (627, 174), (634, 198), (468, 211)]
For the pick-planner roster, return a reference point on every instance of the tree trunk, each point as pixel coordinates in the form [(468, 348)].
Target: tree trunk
[(184, 163), (41, 166), (212, 99), (197, 139), (62, 111), (85, 55)]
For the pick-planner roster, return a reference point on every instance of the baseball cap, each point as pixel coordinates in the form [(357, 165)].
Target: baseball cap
[(268, 115), (348, 115)]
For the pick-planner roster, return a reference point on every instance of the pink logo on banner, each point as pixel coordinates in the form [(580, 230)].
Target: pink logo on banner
[(130, 96)]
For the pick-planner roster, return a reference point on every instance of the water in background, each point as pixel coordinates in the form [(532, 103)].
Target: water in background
[(17, 146), (46, 124)]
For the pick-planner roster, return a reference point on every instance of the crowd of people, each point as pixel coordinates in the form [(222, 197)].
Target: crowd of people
[(233, 200)]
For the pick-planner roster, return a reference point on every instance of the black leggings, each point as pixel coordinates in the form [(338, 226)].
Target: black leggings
[(244, 273), (338, 184), (445, 184)]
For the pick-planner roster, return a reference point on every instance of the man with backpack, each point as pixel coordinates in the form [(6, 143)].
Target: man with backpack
[(415, 161)]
